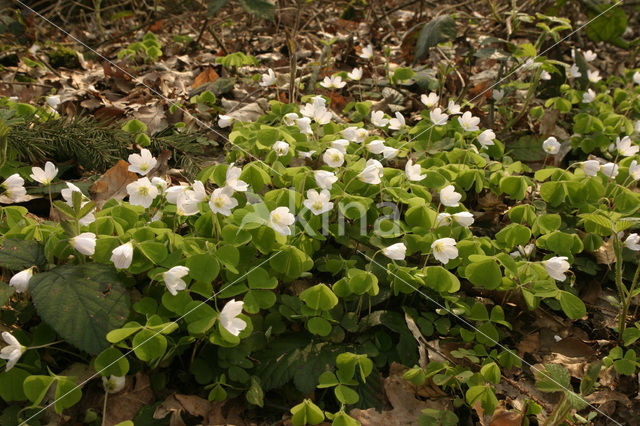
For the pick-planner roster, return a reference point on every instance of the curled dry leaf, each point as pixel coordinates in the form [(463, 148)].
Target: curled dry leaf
[(113, 184)]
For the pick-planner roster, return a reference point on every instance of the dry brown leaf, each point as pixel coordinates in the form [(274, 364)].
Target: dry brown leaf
[(605, 254), (206, 76), (125, 404), (113, 184), (402, 396), (529, 344), (211, 412), (502, 417)]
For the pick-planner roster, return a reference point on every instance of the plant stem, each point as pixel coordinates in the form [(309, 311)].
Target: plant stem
[(45, 345), (627, 302), (617, 247), (104, 408)]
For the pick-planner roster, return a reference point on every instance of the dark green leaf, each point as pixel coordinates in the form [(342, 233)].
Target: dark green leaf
[(21, 254), (438, 30), (82, 303)]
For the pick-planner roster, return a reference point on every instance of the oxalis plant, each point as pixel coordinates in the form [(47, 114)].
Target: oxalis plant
[(299, 263)]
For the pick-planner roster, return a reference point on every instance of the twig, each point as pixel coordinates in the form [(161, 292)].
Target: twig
[(26, 83)]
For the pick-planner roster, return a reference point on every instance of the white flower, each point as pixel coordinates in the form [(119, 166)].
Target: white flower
[(222, 202), (173, 279), (378, 120), (333, 157), (610, 170), (333, 82), (34, 48), (398, 122), (303, 154), (122, 256), (632, 242), (53, 101), (84, 243), (591, 167), (469, 122), (160, 183), (498, 94), (625, 147), (544, 75), (355, 134), (431, 100), (268, 79), (281, 220), (453, 108), (574, 72), (486, 138), (142, 163), (173, 193), (588, 96), (229, 317), (449, 197), (414, 172), (290, 118), (15, 193), (114, 384), (317, 110), (67, 194), (556, 267), (636, 77), (142, 192), (13, 351), (318, 203), (389, 152), (13, 181), (395, 251), (589, 55), (634, 170), (367, 52), (44, 176), (325, 179), (443, 219), (551, 145), (232, 179), (341, 145), (444, 249), (372, 172), (20, 281), (356, 74), (304, 125), (376, 146), (636, 126), (281, 148), (197, 191), (594, 76), (187, 204), (463, 219), (225, 121), (437, 117)]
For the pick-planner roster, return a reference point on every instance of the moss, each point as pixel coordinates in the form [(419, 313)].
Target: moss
[(63, 57)]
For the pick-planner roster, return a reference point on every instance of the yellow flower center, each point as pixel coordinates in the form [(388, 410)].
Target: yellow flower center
[(218, 202), (144, 167), (143, 190), (317, 205)]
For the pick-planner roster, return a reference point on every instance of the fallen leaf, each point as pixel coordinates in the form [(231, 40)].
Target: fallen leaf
[(502, 417), (125, 404), (113, 184), (529, 344), (402, 396), (207, 75)]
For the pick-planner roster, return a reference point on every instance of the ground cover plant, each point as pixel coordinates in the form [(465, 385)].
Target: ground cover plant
[(438, 228)]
